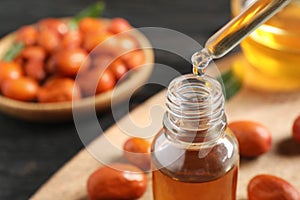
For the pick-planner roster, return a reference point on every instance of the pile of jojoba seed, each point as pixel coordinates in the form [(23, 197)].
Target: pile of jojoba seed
[(53, 53)]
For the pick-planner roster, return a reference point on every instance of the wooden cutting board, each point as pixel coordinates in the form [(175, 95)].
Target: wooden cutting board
[(276, 111)]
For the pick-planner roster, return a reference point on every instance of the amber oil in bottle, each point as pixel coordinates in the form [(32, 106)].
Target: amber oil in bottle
[(194, 156)]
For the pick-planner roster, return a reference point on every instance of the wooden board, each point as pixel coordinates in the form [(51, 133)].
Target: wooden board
[(276, 111)]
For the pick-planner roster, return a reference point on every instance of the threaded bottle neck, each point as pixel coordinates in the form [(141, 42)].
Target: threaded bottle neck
[(195, 109)]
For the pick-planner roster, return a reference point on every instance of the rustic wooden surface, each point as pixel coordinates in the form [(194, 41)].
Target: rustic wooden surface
[(276, 111), (31, 152)]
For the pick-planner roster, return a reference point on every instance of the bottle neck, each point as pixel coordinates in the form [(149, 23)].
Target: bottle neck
[(195, 109)]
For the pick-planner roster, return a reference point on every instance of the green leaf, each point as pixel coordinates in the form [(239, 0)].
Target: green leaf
[(232, 84), (94, 10), (14, 51)]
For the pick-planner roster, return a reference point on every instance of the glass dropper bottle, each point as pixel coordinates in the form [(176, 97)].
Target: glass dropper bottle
[(194, 156), (236, 30)]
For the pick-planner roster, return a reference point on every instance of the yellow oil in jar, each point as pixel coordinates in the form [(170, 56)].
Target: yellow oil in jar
[(272, 52)]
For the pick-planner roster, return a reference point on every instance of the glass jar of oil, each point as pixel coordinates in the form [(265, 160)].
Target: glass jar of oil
[(271, 54), (194, 156)]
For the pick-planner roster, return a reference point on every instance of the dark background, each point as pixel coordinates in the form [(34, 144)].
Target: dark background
[(31, 152)]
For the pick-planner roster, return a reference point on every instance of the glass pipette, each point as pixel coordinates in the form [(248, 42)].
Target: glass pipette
[(231, 34)]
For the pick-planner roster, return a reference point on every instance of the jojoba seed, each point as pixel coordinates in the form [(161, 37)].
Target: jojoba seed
[(118, 25), (35, 69), (9, 70), (69, 61), (137, 152), (27, 35), (117, 181), (22, 89), (269, 187), (59, 90), (34, 53), (296, 129), (254, 138)]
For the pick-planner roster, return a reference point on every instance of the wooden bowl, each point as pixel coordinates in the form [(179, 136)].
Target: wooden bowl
[(62, 111)]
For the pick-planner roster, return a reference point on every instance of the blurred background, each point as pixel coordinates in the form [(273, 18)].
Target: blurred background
[(195, 18), (31, 152)]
